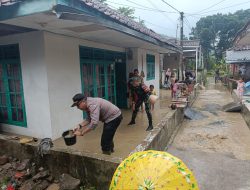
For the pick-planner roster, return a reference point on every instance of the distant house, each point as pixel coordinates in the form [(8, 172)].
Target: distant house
[(192, 50), (52, 49), (239, 55)]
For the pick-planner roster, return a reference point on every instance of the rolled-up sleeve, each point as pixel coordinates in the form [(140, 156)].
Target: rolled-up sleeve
[(94, 114)]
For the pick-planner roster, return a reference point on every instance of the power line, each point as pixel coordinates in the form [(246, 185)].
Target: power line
[(211, 6), (187, 23), (158, 25), (170, 6), (148, 7), (203, 14), (150, 22), (142, 7), (162, 13)]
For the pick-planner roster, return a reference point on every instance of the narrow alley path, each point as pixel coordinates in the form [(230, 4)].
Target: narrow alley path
[(217, 147)]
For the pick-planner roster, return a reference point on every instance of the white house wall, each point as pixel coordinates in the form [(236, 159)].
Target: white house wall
[(142, 66), (63, 70), (139, 62), (34, 77), (51, 76)]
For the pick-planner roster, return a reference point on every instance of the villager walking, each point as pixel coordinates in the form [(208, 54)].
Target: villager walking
[(98, 109), (167, 75)]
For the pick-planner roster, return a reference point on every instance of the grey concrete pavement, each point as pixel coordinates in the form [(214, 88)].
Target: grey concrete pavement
[(217, 147)]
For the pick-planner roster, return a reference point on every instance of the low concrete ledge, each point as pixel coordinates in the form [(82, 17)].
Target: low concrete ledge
[(161, 135), (90, 168), (245, 112)]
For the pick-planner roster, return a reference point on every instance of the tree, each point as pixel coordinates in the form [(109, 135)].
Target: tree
[(129, 12), (217, 32)]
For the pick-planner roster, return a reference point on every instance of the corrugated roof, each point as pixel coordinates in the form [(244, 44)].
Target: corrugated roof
[(8, 2), (243, 31), (103, 8), (191, 42)]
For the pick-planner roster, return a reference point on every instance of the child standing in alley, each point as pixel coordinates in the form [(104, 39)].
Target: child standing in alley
[(153, 92), (240, 87)]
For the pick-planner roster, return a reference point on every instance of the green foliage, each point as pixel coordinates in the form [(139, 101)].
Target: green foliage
[(129, 12), (217, 32), (87, 188), (142, 22)]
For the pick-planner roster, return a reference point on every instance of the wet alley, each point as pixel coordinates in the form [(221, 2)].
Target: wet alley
[(217, 146)]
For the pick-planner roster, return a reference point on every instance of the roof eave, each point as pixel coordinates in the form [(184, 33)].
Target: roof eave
[(25, 8), (68, 13)]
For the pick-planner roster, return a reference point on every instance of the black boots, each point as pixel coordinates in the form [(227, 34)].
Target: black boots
[(132, 122), (150, 122), (108, 152), (150, 127)]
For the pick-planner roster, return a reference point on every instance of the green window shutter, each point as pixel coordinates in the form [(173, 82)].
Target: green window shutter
[(150, 67), (12, 107)]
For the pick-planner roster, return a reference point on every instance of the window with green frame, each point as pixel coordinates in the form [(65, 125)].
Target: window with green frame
[(150, 67), (98, 72), (12, 108)]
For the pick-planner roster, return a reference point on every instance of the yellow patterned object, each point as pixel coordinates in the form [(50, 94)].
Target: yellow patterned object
[(153, 170)]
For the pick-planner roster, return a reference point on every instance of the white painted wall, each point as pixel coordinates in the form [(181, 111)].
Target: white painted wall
[(31, 46), (139, 62), (133, 63), (63, 68), (51, 76)]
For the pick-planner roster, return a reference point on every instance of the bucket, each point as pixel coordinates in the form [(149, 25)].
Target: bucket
[(152, 99), (69, 137)]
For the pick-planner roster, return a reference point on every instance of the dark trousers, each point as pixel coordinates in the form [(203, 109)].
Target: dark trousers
[(108, 133), (147, 108), (166, 78)]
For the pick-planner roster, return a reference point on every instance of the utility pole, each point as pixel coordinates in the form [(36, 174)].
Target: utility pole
[(181, 64)]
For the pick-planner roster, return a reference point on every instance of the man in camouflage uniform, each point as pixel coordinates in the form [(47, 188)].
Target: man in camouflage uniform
[(142, 93)]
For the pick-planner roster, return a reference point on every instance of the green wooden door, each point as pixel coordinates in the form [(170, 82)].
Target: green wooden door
[(12, 107), (98, 79), (99, 74)]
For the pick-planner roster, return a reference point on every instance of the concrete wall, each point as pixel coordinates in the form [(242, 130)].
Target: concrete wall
[(35, 85), (88, 168), (63, 69), (139, 62), (51, 76), (245, 112)]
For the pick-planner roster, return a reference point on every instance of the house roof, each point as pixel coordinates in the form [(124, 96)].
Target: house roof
[(106, 10), (91, 11), (191, 43), (242, 32)]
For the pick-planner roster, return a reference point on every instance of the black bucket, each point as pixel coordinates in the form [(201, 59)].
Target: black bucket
[(69, 139)]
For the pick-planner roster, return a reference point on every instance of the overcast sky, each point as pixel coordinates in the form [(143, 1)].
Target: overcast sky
[(163, 19)]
